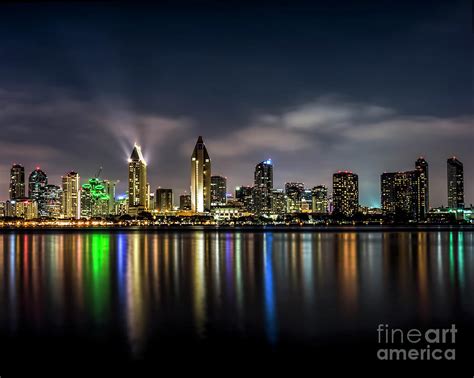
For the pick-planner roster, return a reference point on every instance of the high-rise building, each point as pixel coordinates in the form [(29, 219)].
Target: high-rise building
[(17, 182), (263, 186), (306, 200), (52, 199), (423, 204), (243, 195), (218, 190), (164, 200), (137, 182), (71, 197), (22, 208), (278, 202), (345, 193), (320, 199), (200, 178), (401, 194), (294, 195), (94, 199), (185, 202), (36, 186), (455, 184)]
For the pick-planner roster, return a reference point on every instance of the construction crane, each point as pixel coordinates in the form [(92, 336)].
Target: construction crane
[(98, 172)]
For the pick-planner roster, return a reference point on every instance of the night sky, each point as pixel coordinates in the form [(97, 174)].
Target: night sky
[(366, 88)]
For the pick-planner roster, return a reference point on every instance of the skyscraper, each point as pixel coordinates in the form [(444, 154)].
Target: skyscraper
[(263, 186), (218, 190), (401, 195), (345, 193), (185, 202), (320, 199), (94, 199), (71, 198), (200, 178), (52, 198), (423, 204), (164, 200), (137, 182), (294, 194), (455, 184), (243, 194), (36, 187), (17, 182)]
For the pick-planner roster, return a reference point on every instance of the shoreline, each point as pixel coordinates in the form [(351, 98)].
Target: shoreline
[(254, 228)]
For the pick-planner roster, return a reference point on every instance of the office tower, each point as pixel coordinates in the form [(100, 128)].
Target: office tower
[(278, 202), (185, 202), (52, 201), (320, 199), (243, 194), (71, 198), (164, 200), (423, 204), (401, 195), (218, 191), (94, 199), (200, 178), (294, 194), (455, 184), (36, 186), (152, 202), (17, 181), (110, 187), (263, 186), (345, 193), (137, 182), (306, 200)]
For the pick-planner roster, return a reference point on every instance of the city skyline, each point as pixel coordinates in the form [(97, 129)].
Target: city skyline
[(344, 95)]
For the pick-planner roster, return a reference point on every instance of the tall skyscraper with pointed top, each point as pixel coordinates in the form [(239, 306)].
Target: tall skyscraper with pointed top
[(137, 182), (200, 178)]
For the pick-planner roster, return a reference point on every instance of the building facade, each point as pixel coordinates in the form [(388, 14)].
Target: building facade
[(137, 182), (37, 182), (319, 197), (345, 193), (218, 191), (263, 186), (71, 197), (164, 200), (455, 183), (200, 178), (17, 182)]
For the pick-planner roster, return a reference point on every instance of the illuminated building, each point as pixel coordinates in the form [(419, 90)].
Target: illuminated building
[(421, 166), (243, 195), (71, 199), (404, 195), (185, 202), (278, 202), (36, 186), (455, 184), (2, 208), (137, 182), (226, 212), (22, 208), (320, 199), (345, 193), (306, 200), (152, 201), (218, 190), (263, 186), (110, 187), (294, 194), (200, 178), (52, 200), (121, 205), (94, 199), (164, 200), (17, 182)]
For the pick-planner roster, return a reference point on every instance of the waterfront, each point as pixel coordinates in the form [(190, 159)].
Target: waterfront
[(141, 296)]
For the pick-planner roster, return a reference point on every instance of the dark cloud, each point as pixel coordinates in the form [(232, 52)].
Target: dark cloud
[(367, 88)]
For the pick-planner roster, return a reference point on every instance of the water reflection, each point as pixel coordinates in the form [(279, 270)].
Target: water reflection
[(268, 286)]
